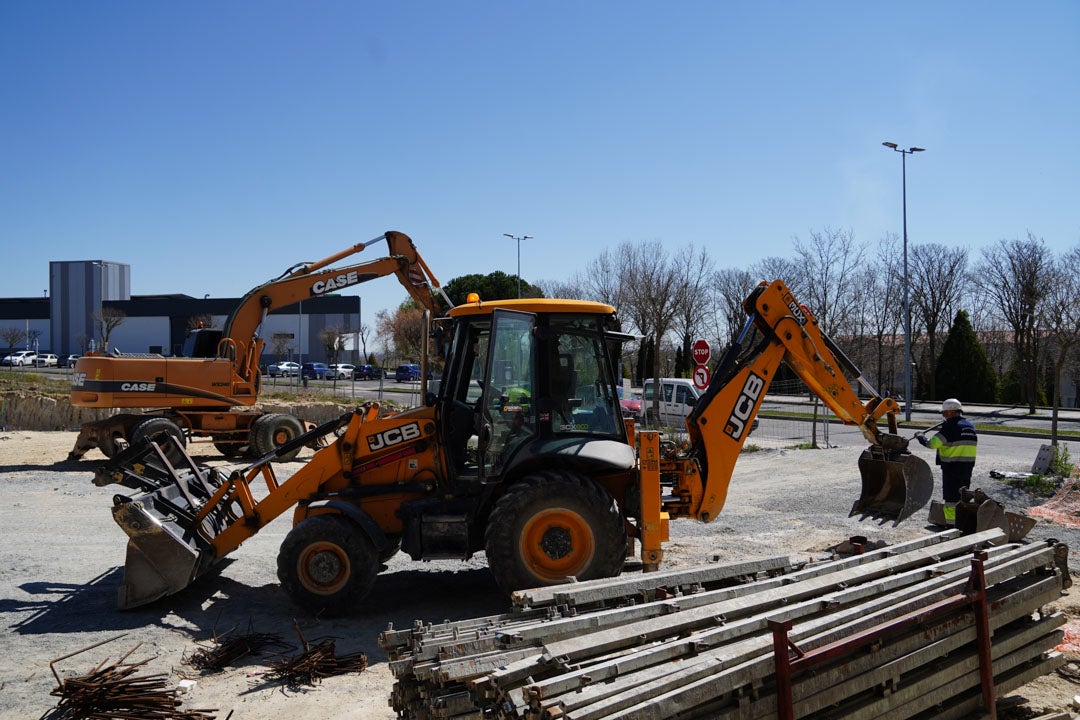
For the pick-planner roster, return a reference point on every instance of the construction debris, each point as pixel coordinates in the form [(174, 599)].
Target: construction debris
[(314, 663), (905, 631), (117, 692)]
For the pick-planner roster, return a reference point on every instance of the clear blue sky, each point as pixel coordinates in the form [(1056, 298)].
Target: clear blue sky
[(212, 144)]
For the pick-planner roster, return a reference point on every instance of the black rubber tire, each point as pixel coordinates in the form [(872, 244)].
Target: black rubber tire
[(230, 449), (552, 525), (270, 432), (150, 427), (327, 565)]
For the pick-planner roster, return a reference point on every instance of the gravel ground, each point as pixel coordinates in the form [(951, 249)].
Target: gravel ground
[(61, 563)]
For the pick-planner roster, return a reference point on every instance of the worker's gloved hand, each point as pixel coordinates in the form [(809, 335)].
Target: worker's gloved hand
[(922, 440)]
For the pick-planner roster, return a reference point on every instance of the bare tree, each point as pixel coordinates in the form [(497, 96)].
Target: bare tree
[(363, 332), (655, 292), (879, 295), (402, 329), (694, 270), (937, 276), (12, 336), (566, 289), (732, 288), (333, 342), (780, 268), (106, 320), (281, 343), (1061, 318), (1016, 275), (830, 261)]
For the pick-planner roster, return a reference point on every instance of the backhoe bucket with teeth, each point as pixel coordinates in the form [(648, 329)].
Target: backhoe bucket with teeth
[(894, 485)]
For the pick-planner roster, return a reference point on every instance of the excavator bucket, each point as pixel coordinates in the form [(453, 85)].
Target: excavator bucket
[(169, 541), (893, 488)]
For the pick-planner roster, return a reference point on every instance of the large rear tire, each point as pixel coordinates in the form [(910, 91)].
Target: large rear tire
[(551, 526), (327, 565), (272, 431), (147, 429)]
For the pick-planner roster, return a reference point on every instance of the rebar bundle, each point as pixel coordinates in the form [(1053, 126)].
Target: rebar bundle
[(118, 692), (314, 663)]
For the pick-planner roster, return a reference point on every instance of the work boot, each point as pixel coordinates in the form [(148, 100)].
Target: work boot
[(942, 514)]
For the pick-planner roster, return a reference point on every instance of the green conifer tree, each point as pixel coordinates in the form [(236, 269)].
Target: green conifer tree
[(963, 370)]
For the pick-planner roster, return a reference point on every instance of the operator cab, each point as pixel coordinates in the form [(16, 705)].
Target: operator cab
[(529, 380)]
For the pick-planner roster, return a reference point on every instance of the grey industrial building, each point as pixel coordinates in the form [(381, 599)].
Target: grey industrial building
[(62, 322)]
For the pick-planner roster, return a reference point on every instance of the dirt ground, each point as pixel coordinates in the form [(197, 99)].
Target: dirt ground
[(62, 557)]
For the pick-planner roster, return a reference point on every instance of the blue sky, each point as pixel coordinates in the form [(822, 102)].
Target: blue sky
[(210, 145)]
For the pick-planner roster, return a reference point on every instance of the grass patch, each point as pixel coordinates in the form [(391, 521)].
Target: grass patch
[(1041, 485)]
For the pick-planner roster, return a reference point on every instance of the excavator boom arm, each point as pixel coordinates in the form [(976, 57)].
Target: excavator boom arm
[(309, 280), (720, 422)]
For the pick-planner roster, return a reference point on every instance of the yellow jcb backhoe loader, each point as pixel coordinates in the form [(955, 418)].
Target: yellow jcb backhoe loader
[(520, 452)]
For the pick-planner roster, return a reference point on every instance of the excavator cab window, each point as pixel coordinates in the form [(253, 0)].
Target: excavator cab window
[(583, 398), (507, 412)]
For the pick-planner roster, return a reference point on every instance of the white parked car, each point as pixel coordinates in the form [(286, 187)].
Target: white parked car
[(20, 357), (340, 371), (284, 369), (46, 360), (677, 398)]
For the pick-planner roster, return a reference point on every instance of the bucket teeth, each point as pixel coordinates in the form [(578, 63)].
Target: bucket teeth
[(893, 487)]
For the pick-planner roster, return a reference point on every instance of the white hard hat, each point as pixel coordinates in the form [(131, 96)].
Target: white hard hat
[(952, 404)]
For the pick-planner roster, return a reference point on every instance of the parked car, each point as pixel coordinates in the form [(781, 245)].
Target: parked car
[(406, 372), (20, 358), (313, 371), (46, 360), (677, 398), (630, 402), (340, 371), (367, 372), (70, 361), (284, 369)]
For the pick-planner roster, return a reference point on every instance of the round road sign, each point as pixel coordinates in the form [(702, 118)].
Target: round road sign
[(701, 377)]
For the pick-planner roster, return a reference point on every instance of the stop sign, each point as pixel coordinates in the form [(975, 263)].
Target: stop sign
[(701, 351)]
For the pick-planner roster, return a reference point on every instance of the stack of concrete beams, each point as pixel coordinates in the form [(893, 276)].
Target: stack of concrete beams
[(697, 642)]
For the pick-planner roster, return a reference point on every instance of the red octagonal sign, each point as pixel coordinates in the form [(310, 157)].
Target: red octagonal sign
[(701, 351)]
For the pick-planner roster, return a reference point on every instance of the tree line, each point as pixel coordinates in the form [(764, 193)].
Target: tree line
[(1011, 306)]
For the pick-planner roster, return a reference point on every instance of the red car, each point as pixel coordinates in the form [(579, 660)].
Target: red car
[(631, 406)]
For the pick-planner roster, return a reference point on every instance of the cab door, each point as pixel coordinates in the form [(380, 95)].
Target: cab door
[(507, 407)]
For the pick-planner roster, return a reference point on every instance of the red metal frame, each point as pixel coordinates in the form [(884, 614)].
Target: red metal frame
[(974, 595)]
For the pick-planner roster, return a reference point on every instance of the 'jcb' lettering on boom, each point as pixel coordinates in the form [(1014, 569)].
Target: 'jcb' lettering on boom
[(744, 406), (393, 436)]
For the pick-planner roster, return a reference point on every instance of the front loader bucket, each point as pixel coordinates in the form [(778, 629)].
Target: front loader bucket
[(892, 489), (169, 543)]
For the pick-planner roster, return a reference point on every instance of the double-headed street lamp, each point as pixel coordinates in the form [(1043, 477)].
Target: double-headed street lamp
[(907, 304), (519, 238)]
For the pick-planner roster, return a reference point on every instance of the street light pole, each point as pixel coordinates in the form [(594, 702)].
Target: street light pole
[(907, 302), (518, 239)]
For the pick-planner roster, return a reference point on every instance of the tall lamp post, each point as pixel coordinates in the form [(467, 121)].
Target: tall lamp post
[(907, 304), (519, 238)]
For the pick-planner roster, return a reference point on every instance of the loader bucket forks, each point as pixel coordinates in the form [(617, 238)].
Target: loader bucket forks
[(178, 511)]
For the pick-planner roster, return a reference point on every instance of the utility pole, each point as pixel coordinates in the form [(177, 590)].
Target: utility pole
[(519, 238), (907, 303)]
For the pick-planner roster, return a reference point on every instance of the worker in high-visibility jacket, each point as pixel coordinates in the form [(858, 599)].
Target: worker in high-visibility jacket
[(955, 444)]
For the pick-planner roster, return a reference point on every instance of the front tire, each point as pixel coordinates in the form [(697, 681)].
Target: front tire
[(270, 432), (551, 526), (327, 565), (150, 427)]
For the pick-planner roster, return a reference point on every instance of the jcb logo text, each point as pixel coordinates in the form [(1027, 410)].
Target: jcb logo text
[(393, 436), (744, 406)]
